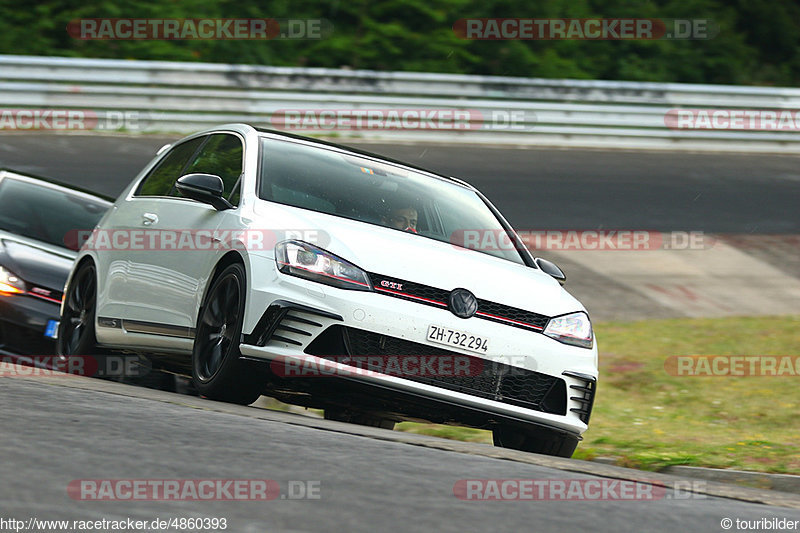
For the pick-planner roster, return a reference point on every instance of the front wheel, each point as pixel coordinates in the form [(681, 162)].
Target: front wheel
[(217, 370), (537, 440)]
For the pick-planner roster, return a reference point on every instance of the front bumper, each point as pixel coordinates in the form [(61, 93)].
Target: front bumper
[(23, 320), (287, 318)]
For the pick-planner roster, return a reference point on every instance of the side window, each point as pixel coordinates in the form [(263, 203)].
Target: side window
[(222, 156), (160, 180)]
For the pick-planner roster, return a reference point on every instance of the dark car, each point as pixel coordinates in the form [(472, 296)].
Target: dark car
[(41, 225)]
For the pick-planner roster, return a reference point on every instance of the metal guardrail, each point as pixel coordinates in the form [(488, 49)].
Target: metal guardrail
[(184, 97)]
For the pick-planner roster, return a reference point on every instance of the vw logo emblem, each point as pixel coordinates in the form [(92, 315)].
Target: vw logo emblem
[(462, 303)]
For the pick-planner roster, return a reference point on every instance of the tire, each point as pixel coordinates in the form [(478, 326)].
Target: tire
[(362, 419), (218, 372), (76, 333), (543, 441)]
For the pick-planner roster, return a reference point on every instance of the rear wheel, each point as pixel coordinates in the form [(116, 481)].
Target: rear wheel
[(217, 369), (76, 333), (537, 440), (362, 419)]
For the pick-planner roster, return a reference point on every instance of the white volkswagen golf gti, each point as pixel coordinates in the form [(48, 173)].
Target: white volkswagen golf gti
[(261, 262)]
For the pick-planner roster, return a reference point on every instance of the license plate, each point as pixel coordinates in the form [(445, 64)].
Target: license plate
[(51, 331), (458, 339)]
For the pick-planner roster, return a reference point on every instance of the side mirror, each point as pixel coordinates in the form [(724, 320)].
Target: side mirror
[(548, 267), (206, 188)]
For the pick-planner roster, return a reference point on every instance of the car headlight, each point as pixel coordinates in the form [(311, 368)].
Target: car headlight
[(575, 329), (304, 260), (10, 283)]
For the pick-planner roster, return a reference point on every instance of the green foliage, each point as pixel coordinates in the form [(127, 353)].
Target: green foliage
[(757, 41)]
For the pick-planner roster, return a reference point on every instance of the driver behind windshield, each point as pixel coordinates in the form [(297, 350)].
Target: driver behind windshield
[(403, 218)]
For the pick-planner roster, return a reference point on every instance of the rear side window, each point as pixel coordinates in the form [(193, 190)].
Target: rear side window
[(222, 156), (160, 180)]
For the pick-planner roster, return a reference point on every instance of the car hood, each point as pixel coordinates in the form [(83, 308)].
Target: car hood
[(36, 263), (423, 260)]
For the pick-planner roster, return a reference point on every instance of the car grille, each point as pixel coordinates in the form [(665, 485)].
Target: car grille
[(487, 310), (495, 381), (50, 295)]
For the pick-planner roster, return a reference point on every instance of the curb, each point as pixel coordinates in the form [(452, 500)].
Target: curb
[(760, 480), (757, 480)]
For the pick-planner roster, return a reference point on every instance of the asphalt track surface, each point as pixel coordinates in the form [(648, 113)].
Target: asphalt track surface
[(370, 479), (536, 189), (76, 428)]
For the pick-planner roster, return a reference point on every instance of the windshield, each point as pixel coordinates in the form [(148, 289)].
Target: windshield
[(46, 214), (376, 192)]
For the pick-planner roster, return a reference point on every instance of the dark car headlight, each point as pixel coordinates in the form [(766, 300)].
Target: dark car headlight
[(304, 260), (10, 282), (574, 329)]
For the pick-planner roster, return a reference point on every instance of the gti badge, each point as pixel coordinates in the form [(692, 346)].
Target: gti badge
[(392, 285), (462, 303)]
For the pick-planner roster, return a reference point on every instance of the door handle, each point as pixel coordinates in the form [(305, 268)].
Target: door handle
[(148, 219)]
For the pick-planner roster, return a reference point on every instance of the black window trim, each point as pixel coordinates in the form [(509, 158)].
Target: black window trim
[(237, 187)]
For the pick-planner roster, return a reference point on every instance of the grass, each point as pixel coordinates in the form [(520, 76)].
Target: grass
[(645, 418)]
